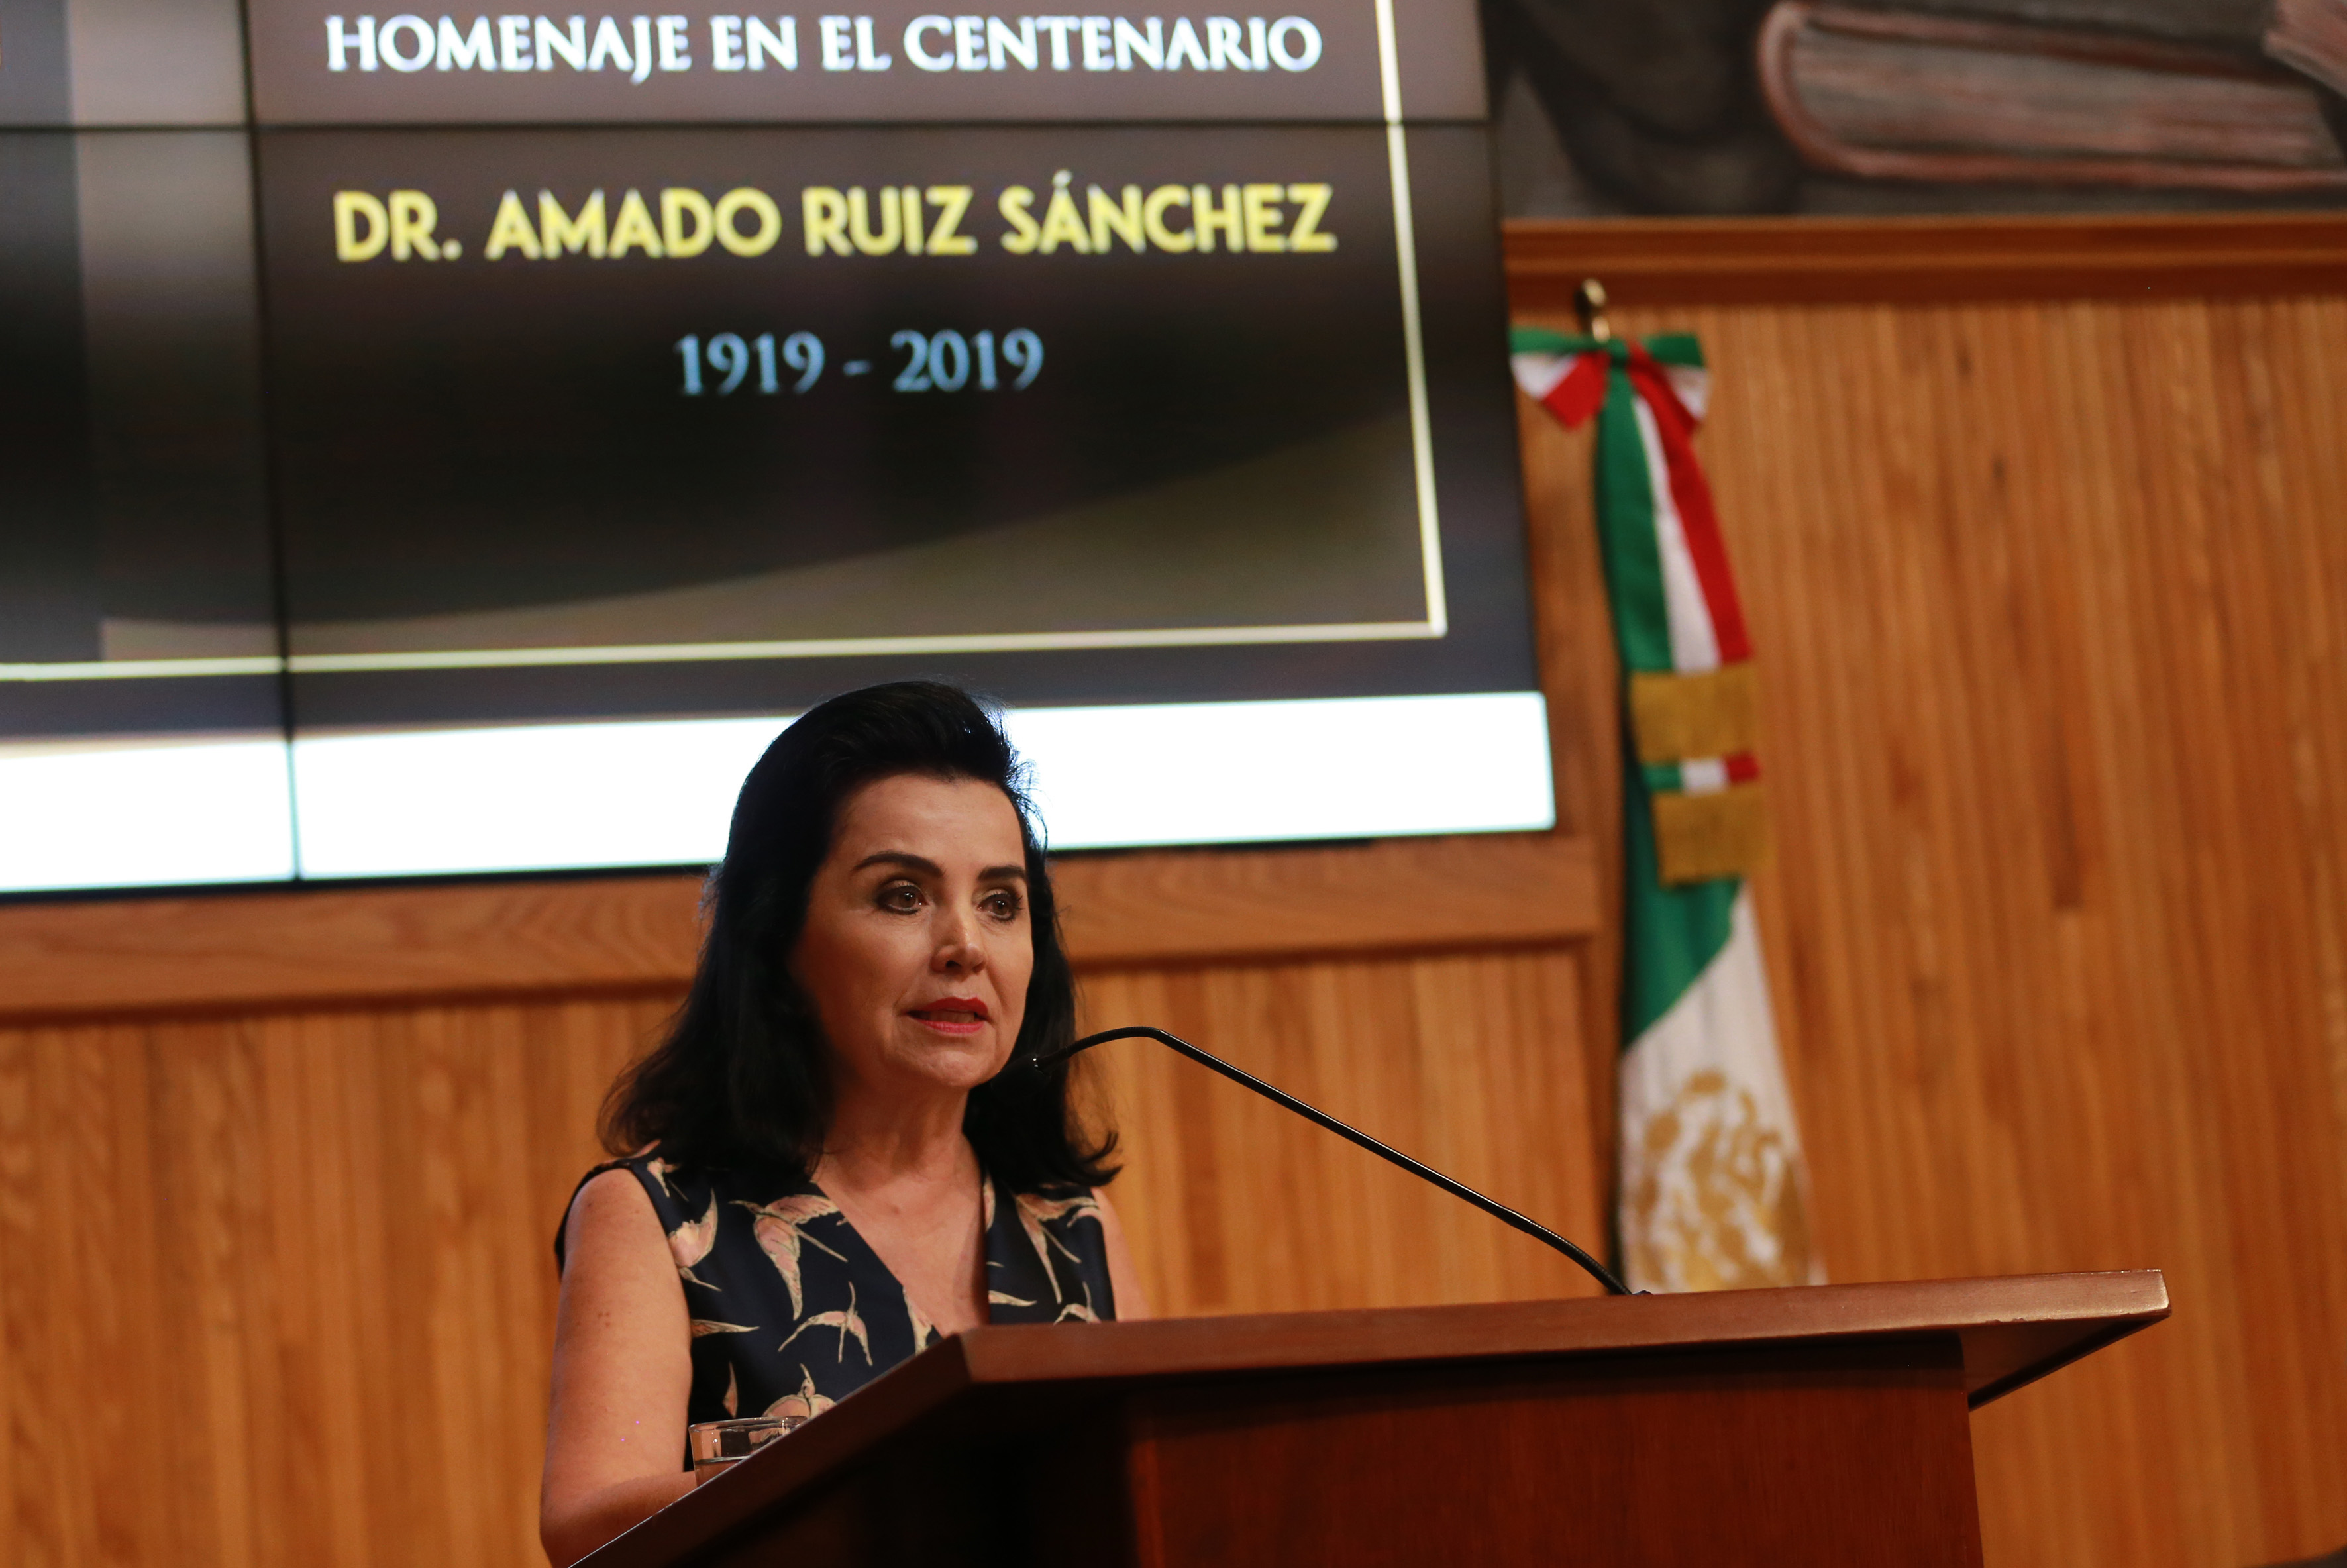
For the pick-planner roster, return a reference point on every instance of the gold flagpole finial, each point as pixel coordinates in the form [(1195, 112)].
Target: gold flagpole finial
[(1589, 303)]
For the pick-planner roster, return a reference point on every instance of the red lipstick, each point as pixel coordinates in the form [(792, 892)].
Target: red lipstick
[(952, 1015)]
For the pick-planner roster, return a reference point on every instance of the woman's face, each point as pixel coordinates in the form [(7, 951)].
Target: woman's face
[(917, 945)]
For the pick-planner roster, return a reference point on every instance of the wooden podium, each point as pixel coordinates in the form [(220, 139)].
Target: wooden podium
[(1813, 1426)]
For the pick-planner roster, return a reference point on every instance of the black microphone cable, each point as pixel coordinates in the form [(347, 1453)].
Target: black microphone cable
[(1532, 1228)]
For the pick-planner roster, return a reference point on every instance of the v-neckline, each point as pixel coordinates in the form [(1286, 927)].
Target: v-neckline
[(924, 1332)]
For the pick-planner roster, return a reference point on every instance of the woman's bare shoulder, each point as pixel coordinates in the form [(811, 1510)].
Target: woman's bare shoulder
[(611, 1214)]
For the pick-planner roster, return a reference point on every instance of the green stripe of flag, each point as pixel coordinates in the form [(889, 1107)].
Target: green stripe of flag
[(1670, 934), (1632, 558)]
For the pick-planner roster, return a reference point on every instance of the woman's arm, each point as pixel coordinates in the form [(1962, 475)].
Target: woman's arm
[(622, 1374), (1125, 1279)]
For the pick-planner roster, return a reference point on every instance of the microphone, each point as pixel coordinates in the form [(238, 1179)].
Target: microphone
[(1532, 1228)]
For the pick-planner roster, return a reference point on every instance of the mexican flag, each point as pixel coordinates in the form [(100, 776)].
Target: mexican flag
[(1713, 1192)]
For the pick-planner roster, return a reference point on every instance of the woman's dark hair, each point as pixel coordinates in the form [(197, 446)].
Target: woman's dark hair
[(742, 1079)]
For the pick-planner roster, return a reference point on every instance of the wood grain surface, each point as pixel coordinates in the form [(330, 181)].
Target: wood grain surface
[(2009, 1331), (1245, 1405), (1400, 895), (1793, 1453), (2050, 601), (1844, 261), (1749, 1458), (514, 938), (1467, 1061), (286, 949), (278, 1289)]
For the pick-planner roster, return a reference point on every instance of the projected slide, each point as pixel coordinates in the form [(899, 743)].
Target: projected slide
[(622, 423), (397, 499), (657, 396), (141, 727)]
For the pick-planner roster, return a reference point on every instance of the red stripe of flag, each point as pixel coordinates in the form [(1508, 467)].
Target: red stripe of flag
[(1580, 393), (1692, 495)]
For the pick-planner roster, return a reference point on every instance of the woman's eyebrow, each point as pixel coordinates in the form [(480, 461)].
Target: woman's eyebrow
[(905, 859), (928, 867)]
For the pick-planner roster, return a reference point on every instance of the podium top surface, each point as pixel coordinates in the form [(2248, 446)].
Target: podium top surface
[(2012, 1330)]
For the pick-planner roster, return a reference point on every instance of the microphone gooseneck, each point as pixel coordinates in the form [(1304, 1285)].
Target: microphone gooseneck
[(1498, 1211)]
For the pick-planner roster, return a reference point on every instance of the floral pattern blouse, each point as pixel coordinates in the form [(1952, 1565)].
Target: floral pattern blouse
[(793, 1312)]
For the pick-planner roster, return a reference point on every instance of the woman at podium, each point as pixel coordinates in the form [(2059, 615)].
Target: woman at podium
[(838, 1154)]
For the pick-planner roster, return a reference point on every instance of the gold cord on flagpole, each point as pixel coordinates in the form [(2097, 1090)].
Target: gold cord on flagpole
[(1589, 305)]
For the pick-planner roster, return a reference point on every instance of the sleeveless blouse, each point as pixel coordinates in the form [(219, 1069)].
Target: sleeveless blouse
[(791, 1311)]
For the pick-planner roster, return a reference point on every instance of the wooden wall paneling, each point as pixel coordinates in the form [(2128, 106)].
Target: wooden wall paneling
[(318, 1240), (279, 1289), (1402, 894), (322, 1235), (60, 1325), (1467, 1061), (1682, 262), (336, 946), (2049, 600), (641, 934), (1581, 677)]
